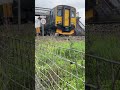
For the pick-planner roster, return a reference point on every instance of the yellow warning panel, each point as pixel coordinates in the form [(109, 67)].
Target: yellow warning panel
[(59, 31)]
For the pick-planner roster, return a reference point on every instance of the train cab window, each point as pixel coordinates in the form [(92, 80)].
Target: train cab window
[(59, 13), (51, 14), (72, 14)]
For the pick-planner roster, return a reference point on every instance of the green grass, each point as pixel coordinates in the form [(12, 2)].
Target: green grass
[(51, 55), (17, 60), (104, 45), (107, 46)]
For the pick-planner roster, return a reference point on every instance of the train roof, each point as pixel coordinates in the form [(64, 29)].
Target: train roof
[(66, 6)]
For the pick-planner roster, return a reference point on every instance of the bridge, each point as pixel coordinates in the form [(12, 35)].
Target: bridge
[(39, 11)]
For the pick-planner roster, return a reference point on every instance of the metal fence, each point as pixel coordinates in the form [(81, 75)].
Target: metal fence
[(59, 68), (102, 57), (17, 64), (103, 74), (17, 45)]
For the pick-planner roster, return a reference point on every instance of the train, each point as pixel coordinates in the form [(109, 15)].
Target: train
[(102, 11), (9, 12), (61, 21), (90, 12)]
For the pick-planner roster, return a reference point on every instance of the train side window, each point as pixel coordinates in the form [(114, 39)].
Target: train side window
[(59, 13), (72, 14)]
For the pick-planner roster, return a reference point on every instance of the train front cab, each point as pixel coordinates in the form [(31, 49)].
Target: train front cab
[(65, 20), (90, 12)]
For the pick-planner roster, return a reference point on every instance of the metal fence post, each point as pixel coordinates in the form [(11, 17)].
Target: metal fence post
[(19, 14), (42, 29)]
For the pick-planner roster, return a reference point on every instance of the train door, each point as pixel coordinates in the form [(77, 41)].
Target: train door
[(66, 17), (7, 12), (7, 9)]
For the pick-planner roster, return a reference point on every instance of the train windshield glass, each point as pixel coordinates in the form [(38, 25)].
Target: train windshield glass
[(59, 13), (73, 14)]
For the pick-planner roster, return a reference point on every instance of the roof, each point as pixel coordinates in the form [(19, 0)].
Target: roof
[(66, 6)]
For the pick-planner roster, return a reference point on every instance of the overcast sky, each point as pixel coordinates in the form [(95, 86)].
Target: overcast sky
[(78, 4)]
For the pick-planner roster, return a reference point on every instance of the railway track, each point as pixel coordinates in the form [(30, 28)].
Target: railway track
[(73, 38), (104, 22), (103, 28)]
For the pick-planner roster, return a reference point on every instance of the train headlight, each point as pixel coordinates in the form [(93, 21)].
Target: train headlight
[(59, 22), (72, 23)]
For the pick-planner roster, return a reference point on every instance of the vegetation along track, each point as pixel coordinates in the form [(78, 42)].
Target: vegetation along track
[(60, 63)]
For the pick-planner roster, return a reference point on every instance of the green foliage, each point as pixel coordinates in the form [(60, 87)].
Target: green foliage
[(104, 45), (16, 56), (59, 60)]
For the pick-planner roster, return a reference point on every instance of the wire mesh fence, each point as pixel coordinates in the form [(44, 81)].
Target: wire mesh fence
[(102, 57), (17, 45), (103, 74), (59, 67), (17, 64)]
